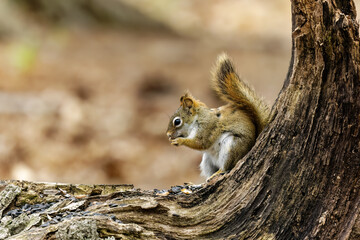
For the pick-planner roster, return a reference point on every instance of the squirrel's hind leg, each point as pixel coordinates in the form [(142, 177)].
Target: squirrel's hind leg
[(233, 148), (207, 166)]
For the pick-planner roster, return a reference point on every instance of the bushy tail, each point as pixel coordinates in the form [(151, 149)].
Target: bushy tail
[(231, 88)]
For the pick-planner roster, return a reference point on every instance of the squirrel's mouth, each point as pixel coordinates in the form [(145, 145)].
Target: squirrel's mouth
[(175, 137)]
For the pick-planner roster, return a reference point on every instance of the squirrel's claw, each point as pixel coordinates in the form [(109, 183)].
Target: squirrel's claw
[(175, 144), (176, 141)]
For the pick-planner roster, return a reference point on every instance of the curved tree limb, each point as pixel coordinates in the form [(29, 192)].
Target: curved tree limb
[(301, 180)]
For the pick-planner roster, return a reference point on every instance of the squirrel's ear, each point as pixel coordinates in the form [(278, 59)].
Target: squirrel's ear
[(188, 103), (181, 99), (186, 95), (186, 99)]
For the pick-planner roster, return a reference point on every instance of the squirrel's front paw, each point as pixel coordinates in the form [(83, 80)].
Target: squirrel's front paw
[(177, 141)]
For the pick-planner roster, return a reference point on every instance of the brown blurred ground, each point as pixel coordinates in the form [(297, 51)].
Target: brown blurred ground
[(91, 104)]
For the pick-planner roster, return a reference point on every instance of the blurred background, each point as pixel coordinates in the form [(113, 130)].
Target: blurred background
[(87, 87)]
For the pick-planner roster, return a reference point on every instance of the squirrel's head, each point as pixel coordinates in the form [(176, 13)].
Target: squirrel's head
[(181, 121)]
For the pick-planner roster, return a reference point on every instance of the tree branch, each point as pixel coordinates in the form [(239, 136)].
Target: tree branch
[(301, 180)]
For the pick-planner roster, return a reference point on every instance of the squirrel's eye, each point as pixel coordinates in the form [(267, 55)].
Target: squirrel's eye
[(177, 122)]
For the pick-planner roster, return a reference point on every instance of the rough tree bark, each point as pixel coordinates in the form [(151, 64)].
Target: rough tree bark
[(300, 181)]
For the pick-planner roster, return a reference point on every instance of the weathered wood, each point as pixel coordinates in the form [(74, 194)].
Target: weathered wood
[(300, 181)]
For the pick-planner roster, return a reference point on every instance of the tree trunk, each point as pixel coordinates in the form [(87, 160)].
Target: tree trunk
[(300, 181)]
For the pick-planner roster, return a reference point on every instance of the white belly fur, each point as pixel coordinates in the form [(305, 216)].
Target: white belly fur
[(216, 156)]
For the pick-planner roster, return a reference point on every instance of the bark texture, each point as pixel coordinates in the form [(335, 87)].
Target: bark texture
[(300, 181)]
